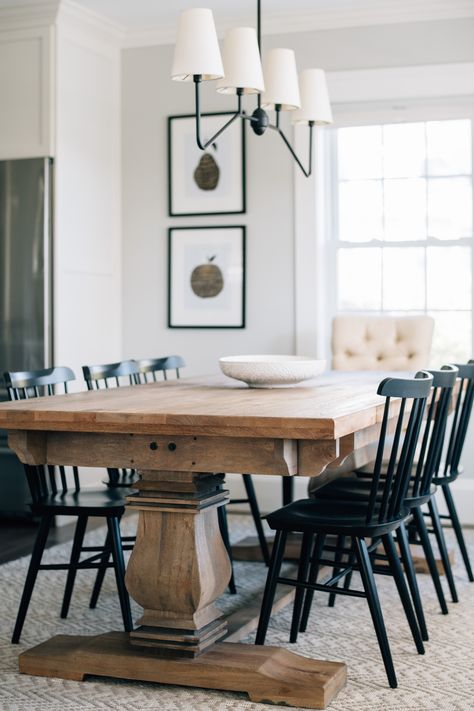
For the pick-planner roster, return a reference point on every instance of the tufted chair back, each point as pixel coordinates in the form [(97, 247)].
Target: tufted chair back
[(381, 342)]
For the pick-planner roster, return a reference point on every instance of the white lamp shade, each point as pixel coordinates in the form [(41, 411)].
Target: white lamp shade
[(242, 65), (197, 48), (315, 104), (281, 80)]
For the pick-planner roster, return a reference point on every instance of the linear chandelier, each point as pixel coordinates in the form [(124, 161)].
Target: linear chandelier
[(197, 58)]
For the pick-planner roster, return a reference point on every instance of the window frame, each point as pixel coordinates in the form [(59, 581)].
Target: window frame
[(375, 115)]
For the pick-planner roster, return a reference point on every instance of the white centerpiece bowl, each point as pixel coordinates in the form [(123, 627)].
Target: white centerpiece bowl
[(271, 371)]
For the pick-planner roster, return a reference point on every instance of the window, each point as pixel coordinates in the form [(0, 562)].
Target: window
[(402, 225)]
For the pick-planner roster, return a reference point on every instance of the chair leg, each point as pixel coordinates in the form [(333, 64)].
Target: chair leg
[(113, 526), (254, 508), (458, 530), (300, 592), (270, 585), (402, 538), (73, 563), (337, 560), (224, 529), (397, 572), (312, 577), (370, 588), (443, 549), (430, 559), (287, 490), (350, 561), (36, 556), (100, 574)]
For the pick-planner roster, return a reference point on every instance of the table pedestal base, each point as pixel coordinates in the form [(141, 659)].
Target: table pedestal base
[(264, 673)]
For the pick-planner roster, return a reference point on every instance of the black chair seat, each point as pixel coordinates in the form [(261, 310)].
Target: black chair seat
[(341, 517), (354, 489), (94, 502)]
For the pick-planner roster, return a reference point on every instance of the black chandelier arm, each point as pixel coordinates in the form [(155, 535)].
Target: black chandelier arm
[(306, 172), (236, 115)]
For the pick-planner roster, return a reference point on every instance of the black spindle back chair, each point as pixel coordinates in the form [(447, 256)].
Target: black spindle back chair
[(103, 376), (420, 491), (149, 368), (381, 513), (448, 472), (49, 498)]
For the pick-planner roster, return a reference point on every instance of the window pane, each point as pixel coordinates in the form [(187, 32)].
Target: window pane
[(403, 278), (452, 337), (359, 279), (449, 147), (405, 209), (359, 152), (404, 150), (360, 210), (449, 208), (449, 277)]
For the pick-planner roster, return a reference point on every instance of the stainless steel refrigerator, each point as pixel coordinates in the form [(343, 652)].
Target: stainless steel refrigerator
[(26, 336)]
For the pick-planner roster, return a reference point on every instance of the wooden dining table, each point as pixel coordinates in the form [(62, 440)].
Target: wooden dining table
[(180, 436)]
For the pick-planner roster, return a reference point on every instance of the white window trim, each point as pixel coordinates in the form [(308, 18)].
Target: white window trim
[(360, 97)]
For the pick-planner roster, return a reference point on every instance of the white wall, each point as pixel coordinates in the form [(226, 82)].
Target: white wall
[(148, 98), (87, 259)]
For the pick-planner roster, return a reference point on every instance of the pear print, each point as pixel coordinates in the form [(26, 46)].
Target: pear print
[(207, 172), (207, 280)]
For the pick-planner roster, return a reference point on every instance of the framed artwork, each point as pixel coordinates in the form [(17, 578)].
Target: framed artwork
[(210, 182), (206, 277)]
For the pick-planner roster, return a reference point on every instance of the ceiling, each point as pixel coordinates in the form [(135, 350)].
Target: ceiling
[(136, 13), (154, 21)]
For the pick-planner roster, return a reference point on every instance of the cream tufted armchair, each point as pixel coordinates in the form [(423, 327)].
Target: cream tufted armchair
[(381, 342), (375, 343)]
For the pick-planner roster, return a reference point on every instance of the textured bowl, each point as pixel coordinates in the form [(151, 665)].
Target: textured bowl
[(271, 371)]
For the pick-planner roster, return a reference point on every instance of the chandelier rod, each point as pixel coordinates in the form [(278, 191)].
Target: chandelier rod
[(259, 41)]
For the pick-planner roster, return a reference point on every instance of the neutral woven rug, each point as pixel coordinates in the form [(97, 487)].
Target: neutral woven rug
[(441, 680)]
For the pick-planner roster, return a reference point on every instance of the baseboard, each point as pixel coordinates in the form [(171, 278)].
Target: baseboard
[(268, 490)]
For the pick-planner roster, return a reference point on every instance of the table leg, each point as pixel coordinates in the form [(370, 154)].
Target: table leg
[(179, 566)]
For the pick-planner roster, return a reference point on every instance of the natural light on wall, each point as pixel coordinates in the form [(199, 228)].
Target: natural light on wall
[(403, 226)]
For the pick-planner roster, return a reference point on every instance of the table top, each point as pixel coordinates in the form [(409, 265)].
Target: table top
[(331, 406)]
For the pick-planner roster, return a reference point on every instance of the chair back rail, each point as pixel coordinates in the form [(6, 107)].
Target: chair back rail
[(387, 493), (462, 414), (432, 441), (101, 376), (150, 367)]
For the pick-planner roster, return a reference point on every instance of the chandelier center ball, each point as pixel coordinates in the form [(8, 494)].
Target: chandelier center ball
[(259, 121)]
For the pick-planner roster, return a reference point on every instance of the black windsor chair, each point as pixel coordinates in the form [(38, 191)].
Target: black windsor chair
[(420, 492), (56, 491), (447, 472), (148, 368), (375, 518)]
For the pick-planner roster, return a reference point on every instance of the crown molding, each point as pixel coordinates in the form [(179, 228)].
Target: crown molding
[(28, 13), (73, 14), (366, 13)]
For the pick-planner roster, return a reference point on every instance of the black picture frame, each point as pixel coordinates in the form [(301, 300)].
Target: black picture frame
[(182, 301), (176, 199)]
